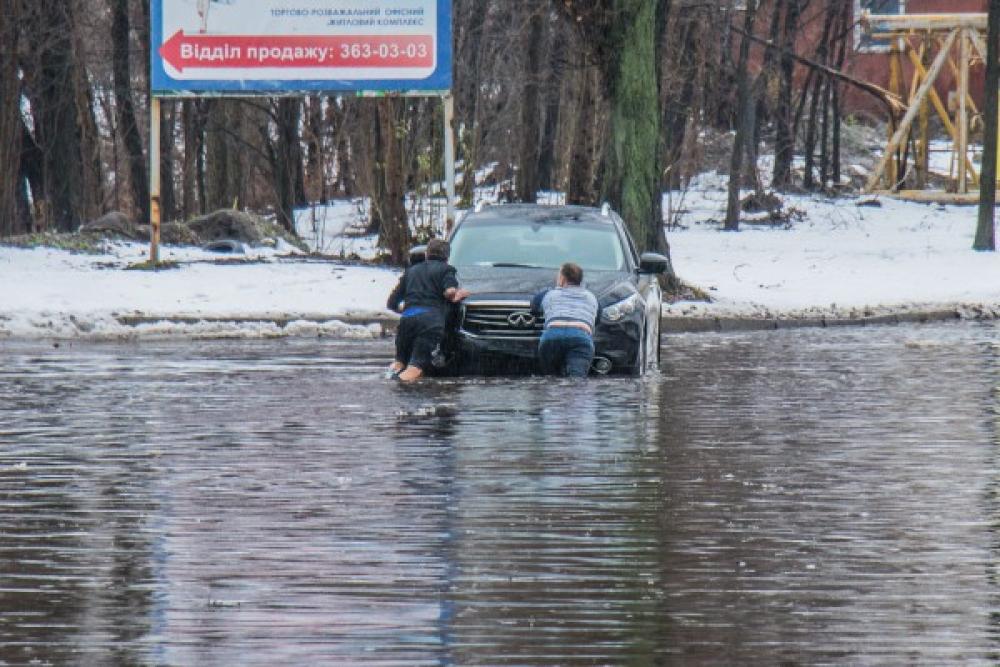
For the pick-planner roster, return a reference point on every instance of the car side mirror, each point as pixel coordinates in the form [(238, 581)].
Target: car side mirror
[(418, 253), (651, 262)]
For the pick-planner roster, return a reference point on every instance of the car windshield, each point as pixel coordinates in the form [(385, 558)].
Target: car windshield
[(592, 246)]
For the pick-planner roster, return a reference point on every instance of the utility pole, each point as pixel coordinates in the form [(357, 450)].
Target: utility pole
[(985, 234)]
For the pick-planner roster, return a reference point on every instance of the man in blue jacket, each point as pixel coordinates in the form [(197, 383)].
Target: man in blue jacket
[(423, 295), (570, 310)]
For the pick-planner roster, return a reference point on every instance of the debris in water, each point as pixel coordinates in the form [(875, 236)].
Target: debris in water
[(428, 411), (223, 603)]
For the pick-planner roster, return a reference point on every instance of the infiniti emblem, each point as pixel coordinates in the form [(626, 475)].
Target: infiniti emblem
[(521, 320)]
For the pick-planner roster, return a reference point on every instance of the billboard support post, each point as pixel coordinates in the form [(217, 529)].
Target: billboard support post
[(154, 180), (449, 159)]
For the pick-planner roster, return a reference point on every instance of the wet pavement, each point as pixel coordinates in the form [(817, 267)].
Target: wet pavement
[(794, 497)]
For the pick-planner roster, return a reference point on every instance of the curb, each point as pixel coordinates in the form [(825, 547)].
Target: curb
[(387, 324), (669, 325), (683, 325)]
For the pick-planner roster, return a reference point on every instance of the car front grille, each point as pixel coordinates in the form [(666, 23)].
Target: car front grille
[(502, 320)]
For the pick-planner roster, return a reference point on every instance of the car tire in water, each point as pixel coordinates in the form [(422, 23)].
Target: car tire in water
[(659, 347), (641, 358)]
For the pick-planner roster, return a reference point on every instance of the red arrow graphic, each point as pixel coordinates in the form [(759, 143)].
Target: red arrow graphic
[(296, 51)]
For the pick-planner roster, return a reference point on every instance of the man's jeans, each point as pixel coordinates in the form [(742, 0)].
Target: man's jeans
[(566, 351)]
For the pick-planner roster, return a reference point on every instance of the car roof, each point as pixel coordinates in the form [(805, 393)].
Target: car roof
[(538, 214)]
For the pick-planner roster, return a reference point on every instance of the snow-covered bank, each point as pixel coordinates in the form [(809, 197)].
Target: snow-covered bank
[(835, 260), (838, 258), (52, 293)]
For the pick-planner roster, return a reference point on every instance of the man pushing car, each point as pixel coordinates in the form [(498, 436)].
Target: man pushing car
[(570, 311), (423, 296)]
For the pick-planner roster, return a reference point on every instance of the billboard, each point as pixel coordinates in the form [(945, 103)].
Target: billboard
[(279, 46)]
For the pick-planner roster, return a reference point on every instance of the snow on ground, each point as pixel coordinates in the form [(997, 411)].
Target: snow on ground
[(52, 293), (835, 258), (843, 258)]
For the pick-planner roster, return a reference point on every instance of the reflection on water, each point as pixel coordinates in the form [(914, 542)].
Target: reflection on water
[(794, 497)]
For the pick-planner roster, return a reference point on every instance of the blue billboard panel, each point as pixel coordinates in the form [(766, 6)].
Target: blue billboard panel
[(280, 46)]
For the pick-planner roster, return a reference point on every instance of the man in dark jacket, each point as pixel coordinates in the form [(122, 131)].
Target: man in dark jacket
[(423, 296)]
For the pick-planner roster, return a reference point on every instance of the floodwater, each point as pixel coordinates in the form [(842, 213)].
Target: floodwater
[(796, 497)]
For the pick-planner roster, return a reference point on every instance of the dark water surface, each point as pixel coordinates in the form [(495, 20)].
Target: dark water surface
[(804, 497)]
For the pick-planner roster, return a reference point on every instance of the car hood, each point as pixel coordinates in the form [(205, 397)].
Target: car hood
[(517, 282)]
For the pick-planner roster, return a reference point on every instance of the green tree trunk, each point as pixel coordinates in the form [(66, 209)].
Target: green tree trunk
[(632, 168)]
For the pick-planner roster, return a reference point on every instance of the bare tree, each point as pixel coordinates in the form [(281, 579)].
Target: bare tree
[(51, 85), (985, 226), (784, 142), (744, 125), (527, 174), (127, 124), (11, 220), (395, 231)]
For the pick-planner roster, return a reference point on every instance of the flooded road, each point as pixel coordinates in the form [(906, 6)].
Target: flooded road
[(795, 497)]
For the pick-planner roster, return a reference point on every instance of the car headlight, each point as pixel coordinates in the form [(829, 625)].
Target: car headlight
[(616, 311)]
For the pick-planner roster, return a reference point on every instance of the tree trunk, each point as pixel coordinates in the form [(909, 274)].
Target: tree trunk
[(395, 232), (223, 171), (837, 99), (168, 191), (820, 85), (824, 140), (341, 115), (63, 204), (679, 101), (285, 162), (527, 172), (985, 226), (743, 101), (375, 189), (467, 99), (203, 108), (632, 169), (125, 119), (93, 187), (580, 189), (315, 162), (784, 138), (553, 108), (192, 148), (33, 176), (10, 121), (295, 155)]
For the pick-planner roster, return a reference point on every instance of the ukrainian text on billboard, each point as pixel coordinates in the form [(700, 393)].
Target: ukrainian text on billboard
[(300, 45)]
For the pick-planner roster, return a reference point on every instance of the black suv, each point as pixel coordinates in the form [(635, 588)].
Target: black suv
[(506, 254)]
